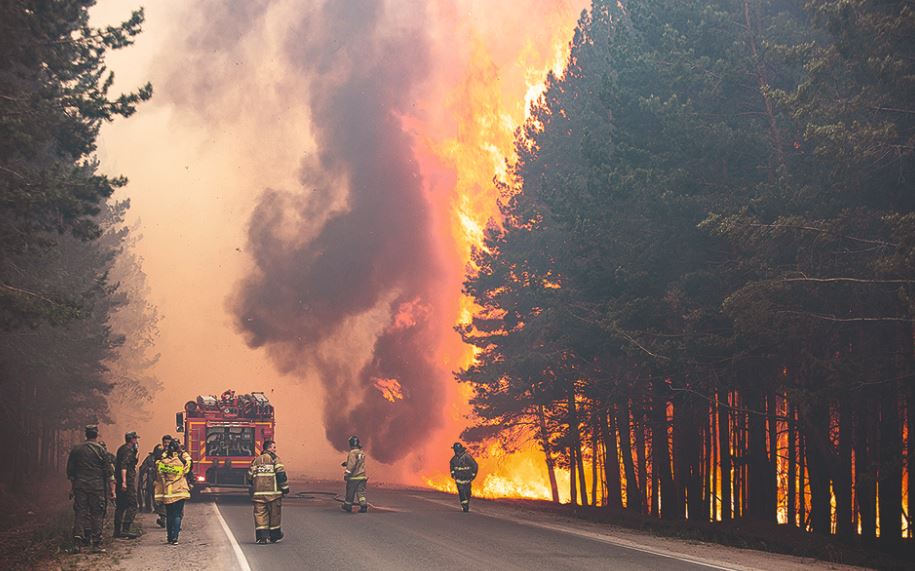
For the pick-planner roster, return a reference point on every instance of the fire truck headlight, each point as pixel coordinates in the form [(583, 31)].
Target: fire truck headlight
[(201, 479)]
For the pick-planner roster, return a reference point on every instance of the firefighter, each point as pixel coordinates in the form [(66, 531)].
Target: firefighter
[(157, 453), (146, 479), (172, 489), (354, 475), (125, 474), (267, 485), (91, 476), (463, 470)]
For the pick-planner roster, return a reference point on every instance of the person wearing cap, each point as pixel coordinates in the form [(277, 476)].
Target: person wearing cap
[(354, 475), (463, 470), (91, 475), (125, 473)]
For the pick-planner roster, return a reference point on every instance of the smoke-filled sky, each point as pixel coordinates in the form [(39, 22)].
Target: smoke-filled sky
[(307, 178)]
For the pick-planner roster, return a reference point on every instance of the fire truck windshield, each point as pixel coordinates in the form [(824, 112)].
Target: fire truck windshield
[(230, 441)]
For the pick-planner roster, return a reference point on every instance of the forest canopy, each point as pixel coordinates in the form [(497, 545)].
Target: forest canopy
[(702, 283)]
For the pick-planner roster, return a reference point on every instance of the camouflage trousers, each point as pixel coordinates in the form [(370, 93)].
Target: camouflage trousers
[(89, 508), (355, 492), (125, 509)]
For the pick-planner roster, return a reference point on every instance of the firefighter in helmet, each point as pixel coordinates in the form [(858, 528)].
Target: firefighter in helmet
[(125, 474), (157, 453), (267, 484), (91, 476), (463, 470), (354, 475)]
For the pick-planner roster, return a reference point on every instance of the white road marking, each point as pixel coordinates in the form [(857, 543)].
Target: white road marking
[(594, 536), (239, 555)]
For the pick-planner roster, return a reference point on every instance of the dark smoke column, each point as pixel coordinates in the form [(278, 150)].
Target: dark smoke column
[(362, 63)]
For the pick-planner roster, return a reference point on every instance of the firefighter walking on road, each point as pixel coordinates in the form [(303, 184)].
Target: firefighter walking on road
[(125, 474), (172, 489), (463, 470), (354, 475), (92, 479), (268, 484)]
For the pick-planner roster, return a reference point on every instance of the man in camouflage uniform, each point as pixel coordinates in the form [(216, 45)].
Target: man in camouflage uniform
[(354, 475), (91, 476), (463, 470), (125, 474), (267, 483), (146, 478)]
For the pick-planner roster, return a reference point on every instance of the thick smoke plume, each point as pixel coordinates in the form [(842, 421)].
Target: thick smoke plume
[(350, 255)]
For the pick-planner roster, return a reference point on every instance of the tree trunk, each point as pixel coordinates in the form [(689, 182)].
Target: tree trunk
[(724, 449), (791, 508), (573, 490), (802, 480), (910, 456), (842, 481), (545, 444), (816, 430), (890, 470), (612, 460), (641, 439), (660, 450), (760, 479), (633, 495), (576, 443), (595, 449)]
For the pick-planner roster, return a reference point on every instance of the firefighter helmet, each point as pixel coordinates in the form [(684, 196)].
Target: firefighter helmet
[(457, 447), (354, 441)]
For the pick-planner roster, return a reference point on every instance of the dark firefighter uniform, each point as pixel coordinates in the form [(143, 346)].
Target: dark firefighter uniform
[(91, 475), (147, 481), (267, 483), (463, 470), (354, 475), (126, 499)]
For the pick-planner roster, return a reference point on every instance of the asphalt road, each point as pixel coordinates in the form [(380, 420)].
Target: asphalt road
[(406, 530)]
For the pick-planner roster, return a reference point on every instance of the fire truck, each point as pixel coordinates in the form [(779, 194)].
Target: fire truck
[(223, 436)]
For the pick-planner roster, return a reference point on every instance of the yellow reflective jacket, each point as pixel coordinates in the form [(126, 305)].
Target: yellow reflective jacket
[(355, 465), (267, 478), (171, 484)]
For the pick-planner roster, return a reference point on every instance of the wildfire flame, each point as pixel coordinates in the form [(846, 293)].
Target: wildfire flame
[(390, 389), (489, 104)]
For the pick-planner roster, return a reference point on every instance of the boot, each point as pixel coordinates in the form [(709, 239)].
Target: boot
[(465, 507), (97, 548), (261, 536), (117, 529), (347, 508), (363, 509), (276, 535), (127, 531)]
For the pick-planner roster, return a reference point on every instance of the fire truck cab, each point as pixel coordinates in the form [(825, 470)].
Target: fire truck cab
[(223, 436)]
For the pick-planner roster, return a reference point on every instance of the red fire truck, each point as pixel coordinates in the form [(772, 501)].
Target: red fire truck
[(223, 434)]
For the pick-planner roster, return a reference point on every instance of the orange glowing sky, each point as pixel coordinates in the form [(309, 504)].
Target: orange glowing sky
[(197, 164)]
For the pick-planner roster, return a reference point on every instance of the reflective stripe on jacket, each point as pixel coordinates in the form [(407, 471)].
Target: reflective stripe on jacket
[(463, 468), (171, 484), (355, 465), (267, 478)]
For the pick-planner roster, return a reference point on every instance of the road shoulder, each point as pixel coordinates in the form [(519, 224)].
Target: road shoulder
[(710, 554), (202, 545)]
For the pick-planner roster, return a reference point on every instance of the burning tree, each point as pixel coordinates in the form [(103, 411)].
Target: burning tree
[(701, 276)]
